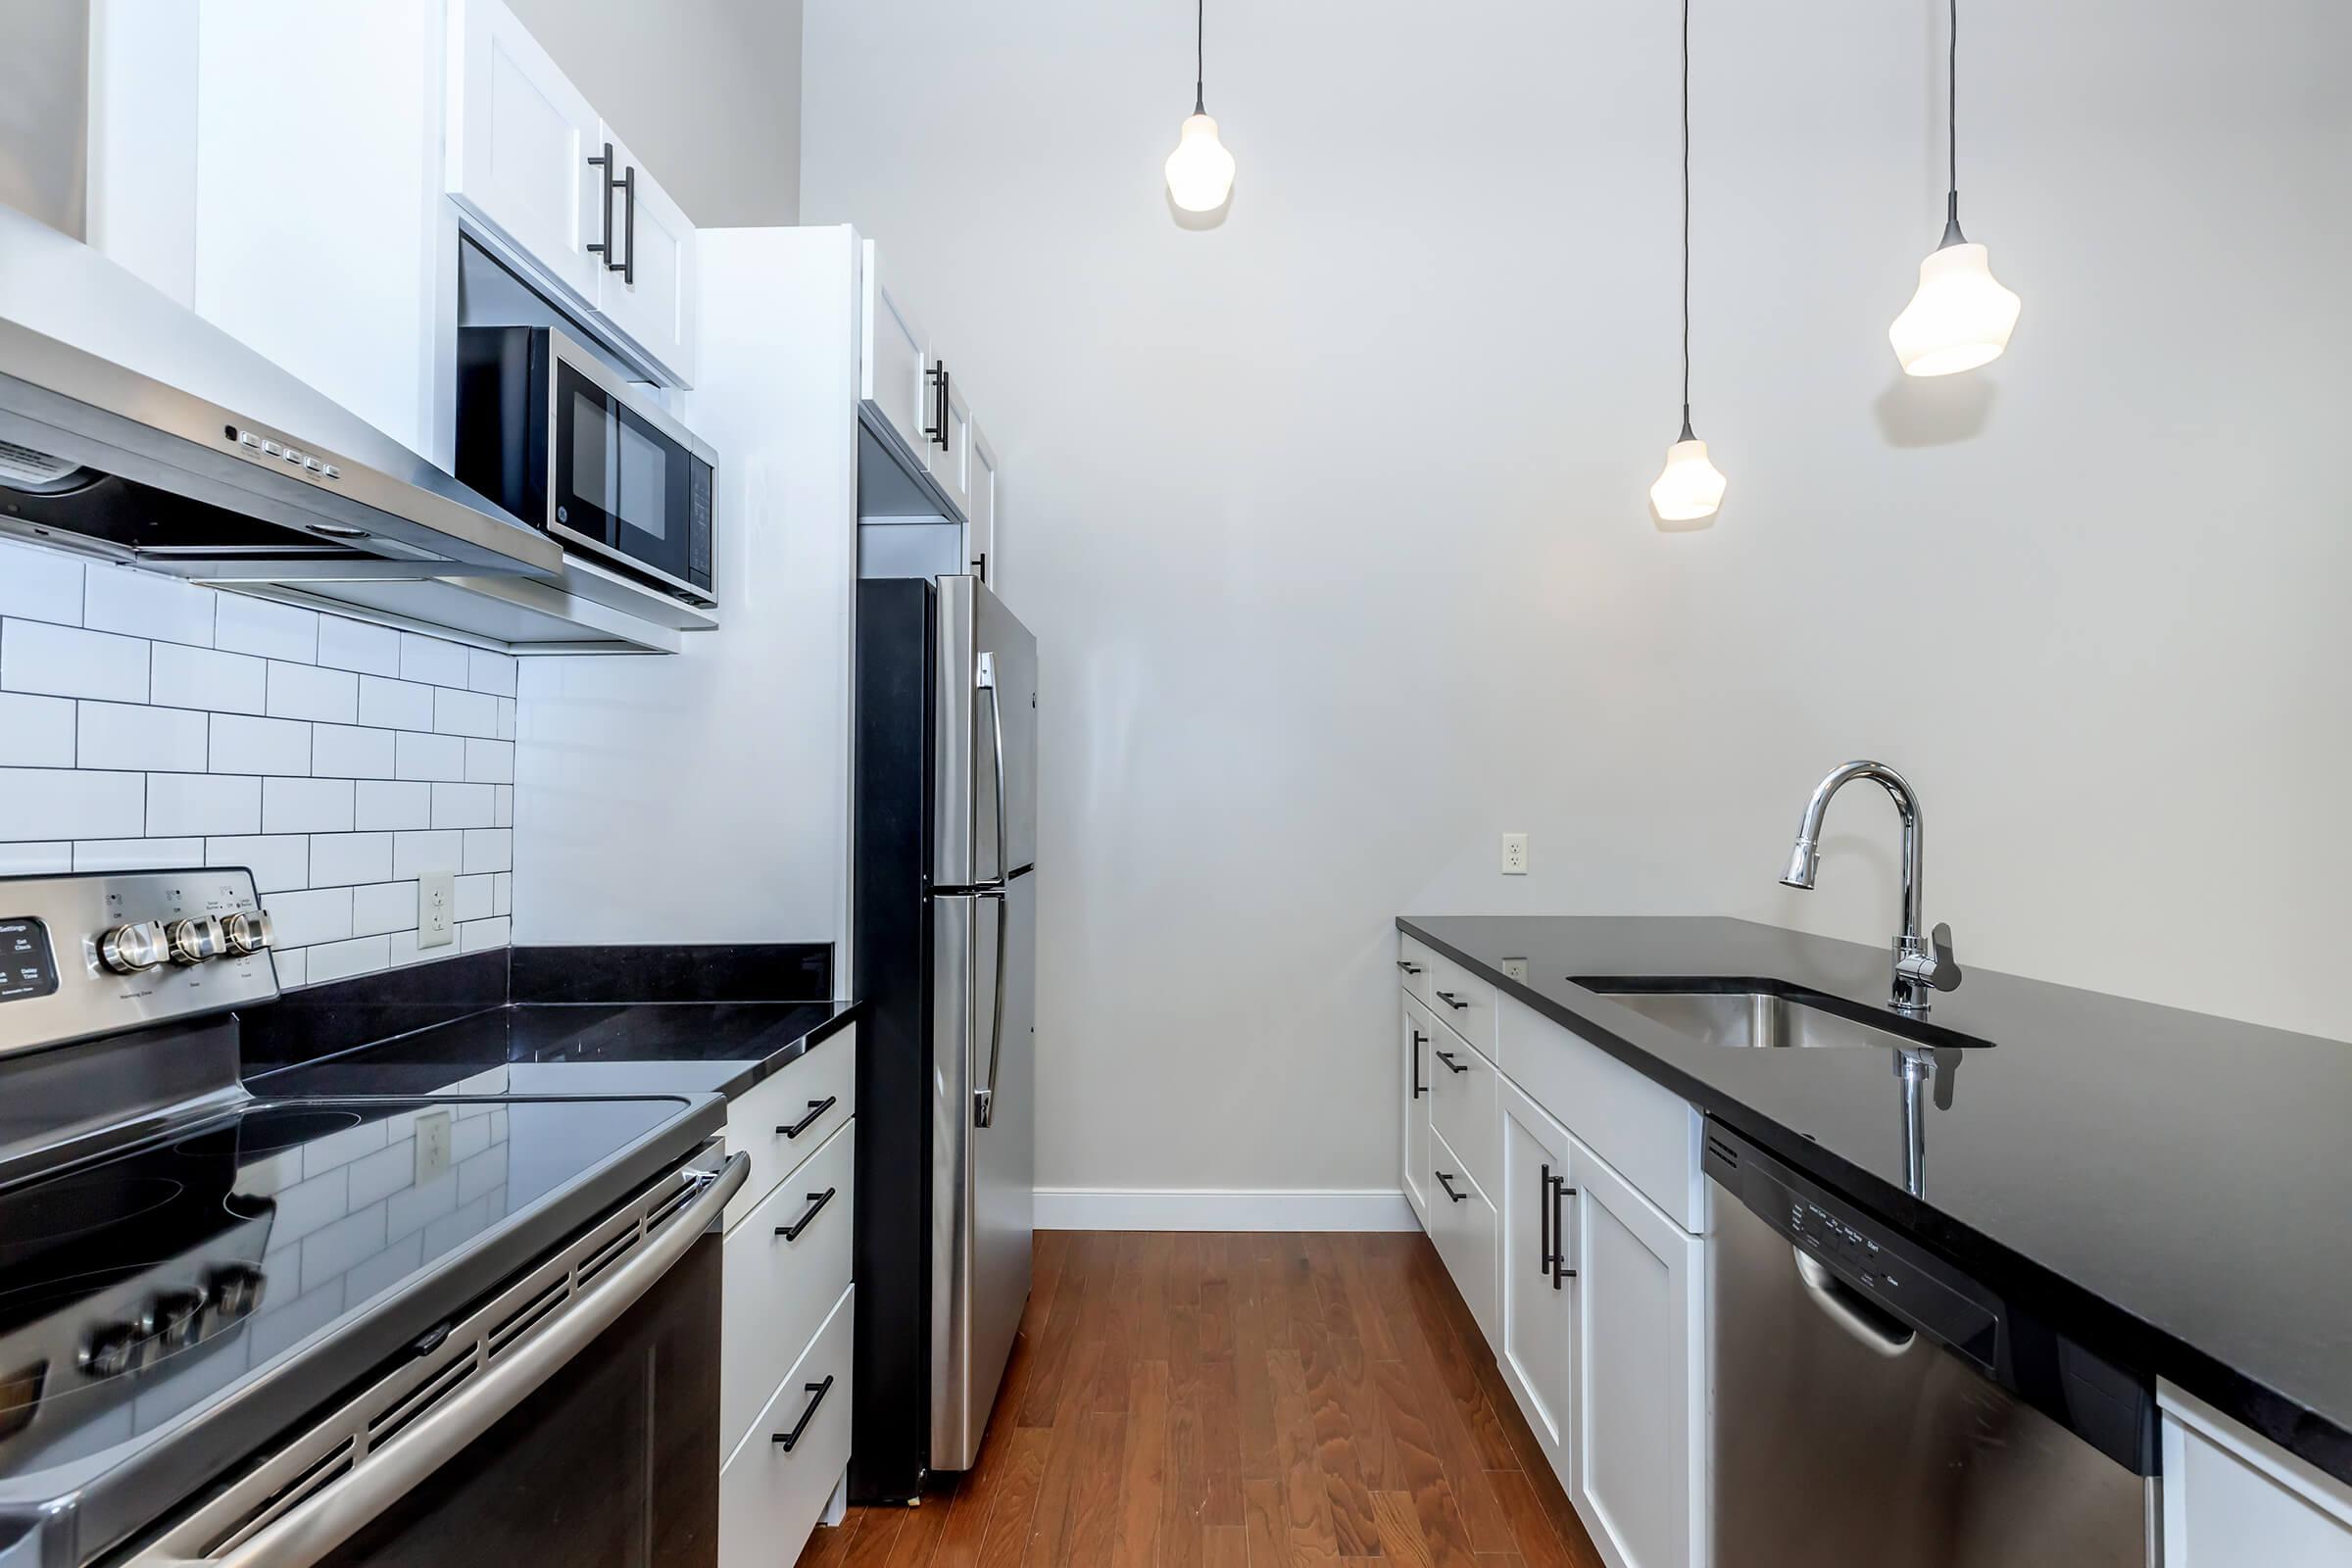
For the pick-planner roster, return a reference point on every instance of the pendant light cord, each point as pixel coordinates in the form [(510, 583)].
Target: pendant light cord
[(1951, 132), (1686, 220), (1200, 55)]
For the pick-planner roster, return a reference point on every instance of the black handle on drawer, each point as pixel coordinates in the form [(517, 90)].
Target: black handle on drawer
[(1407, 967), (1556, 1188), (1419, 1088), (1449, 1186), (1447, 1056), (816, 1203), (816, 1109), (785, 1440), (1453, 1000)]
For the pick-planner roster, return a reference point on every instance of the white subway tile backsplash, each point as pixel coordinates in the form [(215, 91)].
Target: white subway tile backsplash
[(141, 604), (395, 704), (489, 848), (279, 860), (319, 915), (464, 805), (307, 806), (243, 744), (501, 893), (346, 751), (475, 935), (131, 855), (474, 897), (383, 906), (293, 966), (464, 714), (305, 691), (505, 718), (429, 757), (248, 625), (416, 853), (68, 662), (490, 761), (44, 859), (201, 677), (504, 817), (39, 584), (36, 731), (490, 672), (134, 736), (46, 803), (433, 662), (354, 645), (187, 804), (341, 859), (385, 804), (340, 960)]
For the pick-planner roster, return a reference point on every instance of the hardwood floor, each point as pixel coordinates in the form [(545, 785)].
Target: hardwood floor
[(1235, 1402)]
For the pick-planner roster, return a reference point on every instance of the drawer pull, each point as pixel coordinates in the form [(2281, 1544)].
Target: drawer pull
[(785, 1440), (816, 1203), (1453, 1000), (816, 1109), (1408, 966), (1447, 1056), (1449, 1186), (1419, 1088)]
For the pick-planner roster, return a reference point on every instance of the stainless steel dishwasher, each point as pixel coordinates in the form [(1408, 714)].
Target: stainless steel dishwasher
[(1876, 1407)]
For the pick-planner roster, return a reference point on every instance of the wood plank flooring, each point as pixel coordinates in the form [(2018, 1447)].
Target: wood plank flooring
[(1188, 1400)]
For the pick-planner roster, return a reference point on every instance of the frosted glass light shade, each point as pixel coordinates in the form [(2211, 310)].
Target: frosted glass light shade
[(1200, 170), (1961, 318), (1689, 487)]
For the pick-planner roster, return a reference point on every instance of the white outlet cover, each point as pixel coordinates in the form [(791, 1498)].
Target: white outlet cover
[(436, 909), (1514, 855), (1514, 969)]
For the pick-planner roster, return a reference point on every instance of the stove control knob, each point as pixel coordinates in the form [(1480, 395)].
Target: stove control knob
[(248, 933), (236, 1290), (193, 941), (173, 1319), (109, 1350), (134, 949)]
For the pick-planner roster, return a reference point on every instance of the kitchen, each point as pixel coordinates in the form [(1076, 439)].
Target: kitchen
[(1370, 677)]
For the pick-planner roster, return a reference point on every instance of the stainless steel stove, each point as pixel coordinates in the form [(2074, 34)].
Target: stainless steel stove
[(275, 1332)]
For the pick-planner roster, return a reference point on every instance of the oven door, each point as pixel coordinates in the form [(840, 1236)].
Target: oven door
[(574, 1418), (623, 482)]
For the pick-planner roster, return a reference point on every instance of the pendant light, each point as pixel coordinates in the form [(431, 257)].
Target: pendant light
[(1690, 488), (1200, 170), (1961, 317)]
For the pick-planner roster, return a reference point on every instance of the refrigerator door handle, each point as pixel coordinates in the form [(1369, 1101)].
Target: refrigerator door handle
[(984, 680), (984, 1100)]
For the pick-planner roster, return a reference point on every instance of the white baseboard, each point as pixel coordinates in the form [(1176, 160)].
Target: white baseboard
[(1083, 1208)]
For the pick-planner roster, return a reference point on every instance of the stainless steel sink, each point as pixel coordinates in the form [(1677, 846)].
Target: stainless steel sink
[(1768, 1015)]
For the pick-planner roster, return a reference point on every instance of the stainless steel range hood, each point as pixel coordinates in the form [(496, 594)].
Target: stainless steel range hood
[(131, 429)]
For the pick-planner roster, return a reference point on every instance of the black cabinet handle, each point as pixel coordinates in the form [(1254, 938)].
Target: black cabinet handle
[(1419, 1088), (1449, 1186), (1408, 969), (628, 207), (1543, 1219), (816, 1205), (603, 245), (1557, 1187), (816, 1109), (938, 430), (1449, 997), (785, 1440), (1447, 1056)]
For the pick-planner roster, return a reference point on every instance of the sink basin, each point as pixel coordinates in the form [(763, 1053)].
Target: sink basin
[(1771, 1014)]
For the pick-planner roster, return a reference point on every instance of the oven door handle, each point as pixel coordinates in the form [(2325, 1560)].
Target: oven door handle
[(317, 1527)]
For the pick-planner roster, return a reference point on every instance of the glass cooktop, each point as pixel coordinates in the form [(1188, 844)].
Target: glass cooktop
[(137, 1288)]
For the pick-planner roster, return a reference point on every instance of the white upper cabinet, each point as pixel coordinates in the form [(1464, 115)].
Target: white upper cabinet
[(519, 140), (951, 446), (1539, 1281), (645, 260), (980, 510), (893, 363)]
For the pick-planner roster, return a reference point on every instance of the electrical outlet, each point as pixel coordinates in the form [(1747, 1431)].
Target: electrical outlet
[(432, 1146), (1514, 969), (436, 909), (1514, 855)]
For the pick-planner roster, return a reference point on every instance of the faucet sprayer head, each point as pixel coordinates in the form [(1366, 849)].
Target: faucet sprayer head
[(1803, 861)]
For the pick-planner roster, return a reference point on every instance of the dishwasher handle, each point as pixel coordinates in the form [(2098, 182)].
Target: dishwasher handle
[(1875, 1329)]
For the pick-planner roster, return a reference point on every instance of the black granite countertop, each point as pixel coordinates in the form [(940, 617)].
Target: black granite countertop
[(2170, 1185), (577, 1048)]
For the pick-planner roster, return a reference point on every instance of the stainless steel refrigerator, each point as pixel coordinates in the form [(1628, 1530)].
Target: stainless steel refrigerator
[(946, 958)]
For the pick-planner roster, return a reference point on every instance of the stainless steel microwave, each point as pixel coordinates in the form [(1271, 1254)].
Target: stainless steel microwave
[(550, 432)]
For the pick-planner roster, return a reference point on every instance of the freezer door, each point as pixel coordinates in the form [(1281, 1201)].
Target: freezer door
[(986, 688), (984, 1121)]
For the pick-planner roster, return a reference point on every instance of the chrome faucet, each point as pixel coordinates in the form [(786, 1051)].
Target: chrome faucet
[(1921, 966)]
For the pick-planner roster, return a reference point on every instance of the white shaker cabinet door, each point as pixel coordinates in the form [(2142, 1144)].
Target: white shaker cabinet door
[(980, 511), (893, 363), (646, 284), (519, 140), (1539, 1281)]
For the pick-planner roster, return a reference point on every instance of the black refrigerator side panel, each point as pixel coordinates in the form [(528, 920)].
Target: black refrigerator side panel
[(891, 1420)]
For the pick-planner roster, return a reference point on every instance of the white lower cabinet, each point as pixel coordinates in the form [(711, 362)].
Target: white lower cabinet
[(2235, 1499), (775, 1484), (1461, 1225), (1416, 1028), (785, 1266), (1539, 1283)]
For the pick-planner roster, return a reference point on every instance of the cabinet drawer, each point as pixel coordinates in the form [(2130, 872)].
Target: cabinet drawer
[(1462, 1103), (1650, 1134), (1465, 1001), (1462, 1226), (770, 1495), (819, 1090), (777, 1287), (1415, 964)]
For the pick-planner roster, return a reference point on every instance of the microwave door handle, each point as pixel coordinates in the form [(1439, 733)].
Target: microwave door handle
[(985, 681), (319, 1525)]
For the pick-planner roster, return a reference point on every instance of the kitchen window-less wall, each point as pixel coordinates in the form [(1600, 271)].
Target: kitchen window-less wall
[(148, 721)]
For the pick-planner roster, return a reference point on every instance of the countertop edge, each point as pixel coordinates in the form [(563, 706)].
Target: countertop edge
[(759, 1069), (2262, 1408)]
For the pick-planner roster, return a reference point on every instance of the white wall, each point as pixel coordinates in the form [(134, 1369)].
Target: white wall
[(1331, 520), (708, 93)]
